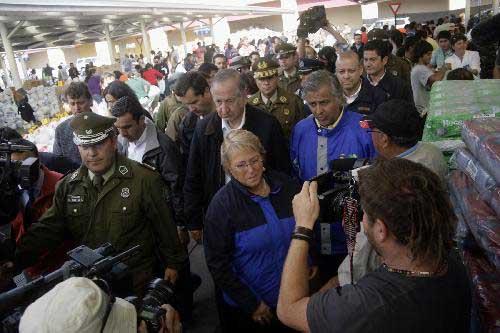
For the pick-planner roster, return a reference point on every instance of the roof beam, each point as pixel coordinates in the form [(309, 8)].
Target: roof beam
[(13, 31)]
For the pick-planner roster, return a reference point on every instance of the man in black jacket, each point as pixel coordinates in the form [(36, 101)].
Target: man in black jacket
[(142, 142), (205, 175), (376, 56)]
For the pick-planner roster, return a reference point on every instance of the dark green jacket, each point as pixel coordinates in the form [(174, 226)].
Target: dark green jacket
[(290, 84), (288, 109), (166, 109), (130, 210)]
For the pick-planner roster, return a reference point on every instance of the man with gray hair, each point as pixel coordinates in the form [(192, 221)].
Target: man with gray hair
[(205, 176), (331, 132)]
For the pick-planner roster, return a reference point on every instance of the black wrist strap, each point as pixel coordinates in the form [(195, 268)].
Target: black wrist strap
[(305, 231), (303, 237)]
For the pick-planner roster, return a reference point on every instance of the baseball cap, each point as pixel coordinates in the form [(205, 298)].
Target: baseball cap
[(396, 118), (77, 305)]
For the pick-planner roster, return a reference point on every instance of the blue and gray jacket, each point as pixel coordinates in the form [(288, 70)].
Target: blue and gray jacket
[(246, 240), (313, 147)]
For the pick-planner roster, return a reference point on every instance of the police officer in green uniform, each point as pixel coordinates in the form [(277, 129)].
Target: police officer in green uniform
[(289, 77), (110, 198), (287, 107)]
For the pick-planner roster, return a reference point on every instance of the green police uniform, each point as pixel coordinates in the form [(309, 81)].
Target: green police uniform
[(167, 107), (289, 83), (130, 209), (286, 107)]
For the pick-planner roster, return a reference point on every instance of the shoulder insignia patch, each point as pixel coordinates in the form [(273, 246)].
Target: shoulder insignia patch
[(123, 169), (283, 99), (255, 100)]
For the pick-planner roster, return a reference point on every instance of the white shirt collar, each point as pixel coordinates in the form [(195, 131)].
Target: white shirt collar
[(352, 98), (273, 98), (375, 83), (291, 74), (225, 125)]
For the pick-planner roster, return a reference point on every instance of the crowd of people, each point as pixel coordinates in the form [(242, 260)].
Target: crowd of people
[(227, 161)]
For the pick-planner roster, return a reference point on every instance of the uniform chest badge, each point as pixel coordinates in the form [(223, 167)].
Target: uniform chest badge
[(286, 112), (283, 99), (73, 176), (89, 131), (125, 192), (395, 73), (75, 198), (255, 100), (123, 169)]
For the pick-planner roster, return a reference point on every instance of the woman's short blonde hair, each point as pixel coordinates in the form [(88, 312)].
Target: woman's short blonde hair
[(239, 140)]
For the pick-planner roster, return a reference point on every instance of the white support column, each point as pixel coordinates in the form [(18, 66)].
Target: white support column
[(290, 21), (10, 56), (495, 7), (211, 24), (110, 44), (183, 37), (145, 41), (467, 12)]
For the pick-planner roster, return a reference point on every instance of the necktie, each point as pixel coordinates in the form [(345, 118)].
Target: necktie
[(268, 105), (98, 181)]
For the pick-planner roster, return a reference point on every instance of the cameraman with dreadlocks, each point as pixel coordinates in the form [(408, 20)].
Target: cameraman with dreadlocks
[(421, 285)]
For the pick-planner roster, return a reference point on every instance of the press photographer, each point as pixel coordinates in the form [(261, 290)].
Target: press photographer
[(91, 309), (421, 285)]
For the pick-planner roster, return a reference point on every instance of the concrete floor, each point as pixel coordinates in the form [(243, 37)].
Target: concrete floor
[(205, 316)]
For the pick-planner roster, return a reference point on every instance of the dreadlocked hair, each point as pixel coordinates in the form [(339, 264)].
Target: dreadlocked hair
[(413, 203)]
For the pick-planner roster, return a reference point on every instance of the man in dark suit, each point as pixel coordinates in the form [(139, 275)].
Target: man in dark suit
[(205, 176)]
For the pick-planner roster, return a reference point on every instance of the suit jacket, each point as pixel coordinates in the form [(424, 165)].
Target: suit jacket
[(205, 176)]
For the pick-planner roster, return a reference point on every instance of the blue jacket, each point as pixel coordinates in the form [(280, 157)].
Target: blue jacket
[(246, 240), (312, 148)]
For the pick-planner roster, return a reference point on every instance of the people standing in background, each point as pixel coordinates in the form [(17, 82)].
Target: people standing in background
[(62, 74), (93, 81), (358, 45), (364, 35), (463, 58), (444, 50), (73, 71)]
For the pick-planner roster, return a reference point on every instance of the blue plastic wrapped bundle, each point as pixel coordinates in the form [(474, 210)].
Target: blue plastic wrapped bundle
[(483, 181), (485, 290), (489, 155), (480, 218), (476, 130)]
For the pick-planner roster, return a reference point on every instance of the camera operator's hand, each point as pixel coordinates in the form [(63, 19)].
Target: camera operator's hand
[(6, 274), (196, 235), (170, 324), (263, 314), (306, 205), (171, 275)]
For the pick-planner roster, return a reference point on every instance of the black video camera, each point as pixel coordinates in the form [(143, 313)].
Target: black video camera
[(158, 292), (85, 262), (336, 186), (311, 21), (14, 174)]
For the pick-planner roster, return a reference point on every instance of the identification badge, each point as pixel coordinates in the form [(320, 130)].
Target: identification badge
[(125, 192), (75, 198)]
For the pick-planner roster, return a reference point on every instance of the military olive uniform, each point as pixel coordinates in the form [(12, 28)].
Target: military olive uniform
[(291, 83), (399, 67), (129, 210), (167, 107), (288, 109)]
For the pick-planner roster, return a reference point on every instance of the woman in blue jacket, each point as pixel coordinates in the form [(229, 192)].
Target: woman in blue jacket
[(247, 232)]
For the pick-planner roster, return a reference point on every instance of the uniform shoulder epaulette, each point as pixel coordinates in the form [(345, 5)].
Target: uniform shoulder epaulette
[(147, 166), (254, 100)]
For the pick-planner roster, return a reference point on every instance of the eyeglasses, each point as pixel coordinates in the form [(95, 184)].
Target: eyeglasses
[(242, 166)]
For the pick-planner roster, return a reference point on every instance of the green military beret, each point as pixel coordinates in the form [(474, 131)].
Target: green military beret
[(265, 68), (285, 49), (90, 128)]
